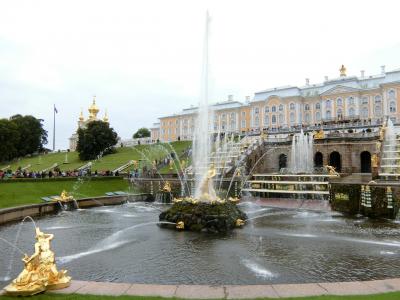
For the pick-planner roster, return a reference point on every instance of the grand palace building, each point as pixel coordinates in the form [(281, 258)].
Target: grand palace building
[(364, 99)]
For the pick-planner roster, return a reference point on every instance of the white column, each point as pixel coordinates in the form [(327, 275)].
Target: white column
[(385, 103), (323, 109), (358, 100), (299, 114)]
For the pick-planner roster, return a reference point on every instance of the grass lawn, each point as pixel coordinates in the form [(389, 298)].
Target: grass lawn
[(21, 193), (388, 296), (108, 162)]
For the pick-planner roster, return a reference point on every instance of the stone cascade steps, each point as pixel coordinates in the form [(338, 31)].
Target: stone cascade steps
[(302, 186), (390, 159)]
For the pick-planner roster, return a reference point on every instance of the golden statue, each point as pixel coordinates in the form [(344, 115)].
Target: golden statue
[(64, 197), (171, 164), (382, 133), (234, 200), (374, 160), (331, 170), (239, 223), (180, 225), (167, 187), (206, 188), (40, 272), (378, 146), (343, 71), (319, 134)]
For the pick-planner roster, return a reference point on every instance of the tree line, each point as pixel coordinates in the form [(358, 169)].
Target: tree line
[(21, 136)]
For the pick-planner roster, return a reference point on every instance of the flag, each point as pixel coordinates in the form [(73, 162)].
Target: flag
[(55, 109)]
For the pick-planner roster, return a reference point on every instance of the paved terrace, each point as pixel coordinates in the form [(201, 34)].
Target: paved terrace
[(234, 291)]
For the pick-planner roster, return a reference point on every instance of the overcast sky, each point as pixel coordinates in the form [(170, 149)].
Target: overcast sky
[(142, 59)]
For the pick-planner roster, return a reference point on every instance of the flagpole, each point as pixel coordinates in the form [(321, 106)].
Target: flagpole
[(54, 127)]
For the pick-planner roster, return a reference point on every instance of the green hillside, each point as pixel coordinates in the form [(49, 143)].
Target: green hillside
[(143, 153)]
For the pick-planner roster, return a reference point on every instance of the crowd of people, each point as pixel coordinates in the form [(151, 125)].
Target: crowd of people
[(56, 173)]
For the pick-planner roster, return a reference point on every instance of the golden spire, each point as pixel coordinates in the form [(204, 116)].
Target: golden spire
[(93, 110), (81, 117), (105, 119), (342, 71)]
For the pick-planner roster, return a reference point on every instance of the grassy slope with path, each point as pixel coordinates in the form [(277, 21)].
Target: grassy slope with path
[(108, 162), (388, 296), (22, 193)]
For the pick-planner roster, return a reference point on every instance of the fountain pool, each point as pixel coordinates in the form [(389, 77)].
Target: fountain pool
[(123, 244)]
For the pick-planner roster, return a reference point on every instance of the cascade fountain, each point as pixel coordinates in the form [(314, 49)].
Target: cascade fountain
[(301, 156), (205, 211), (390, 165)]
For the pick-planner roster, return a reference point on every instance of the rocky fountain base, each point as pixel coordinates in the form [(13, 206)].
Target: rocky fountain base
[(208, 216)]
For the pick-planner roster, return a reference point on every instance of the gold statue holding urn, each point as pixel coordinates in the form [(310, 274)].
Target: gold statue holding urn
[(40, 272)]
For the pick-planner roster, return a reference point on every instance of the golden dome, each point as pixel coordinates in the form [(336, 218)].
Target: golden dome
[(81, 118), (93, 109), (105, 119)]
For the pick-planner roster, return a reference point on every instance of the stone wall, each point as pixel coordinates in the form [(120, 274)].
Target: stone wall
[(350, 150), (14, 214)]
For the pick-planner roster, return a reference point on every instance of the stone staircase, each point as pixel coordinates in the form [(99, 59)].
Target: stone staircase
[(390, 156)]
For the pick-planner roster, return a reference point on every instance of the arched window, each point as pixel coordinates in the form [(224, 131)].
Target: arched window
[(364, 113), (317, 105), (273, 119), (328, 114), (223, 125), (339, 101), (350, 100), (378, 110), (266, 109), (223, 116), (364, 100), (392, 106), (351, 111), (318, 116), (281, 107), (292, 106), (292, 118), (266, 120), (307, 107), (256, 121), (307, 118), (273, 108), (280, 119), (328, 103), (282, 161), (339, 113), (378, 99), (391, 94)]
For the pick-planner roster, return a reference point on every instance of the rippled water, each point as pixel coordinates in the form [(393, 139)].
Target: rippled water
[(123, 244)]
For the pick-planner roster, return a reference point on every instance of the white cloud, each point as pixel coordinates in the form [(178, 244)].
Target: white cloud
[(143, 58)]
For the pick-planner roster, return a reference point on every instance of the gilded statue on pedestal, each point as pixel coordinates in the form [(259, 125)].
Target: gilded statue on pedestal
[(331, 170), (374, 160), (64, 197), (40, 272), (207, 188), (167, 187)]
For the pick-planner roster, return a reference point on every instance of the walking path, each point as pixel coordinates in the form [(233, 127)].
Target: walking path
[(234, 291)]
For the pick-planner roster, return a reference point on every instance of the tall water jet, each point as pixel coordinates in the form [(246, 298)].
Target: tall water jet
[(202, 137), (205, 211), (301, 156)]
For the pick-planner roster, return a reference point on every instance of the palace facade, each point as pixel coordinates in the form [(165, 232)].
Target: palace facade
[(342, 99), (82, 123)]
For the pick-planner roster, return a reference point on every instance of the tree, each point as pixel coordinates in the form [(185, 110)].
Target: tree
[(9, 138), (98, 138), (141, 133), (32, 136)]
